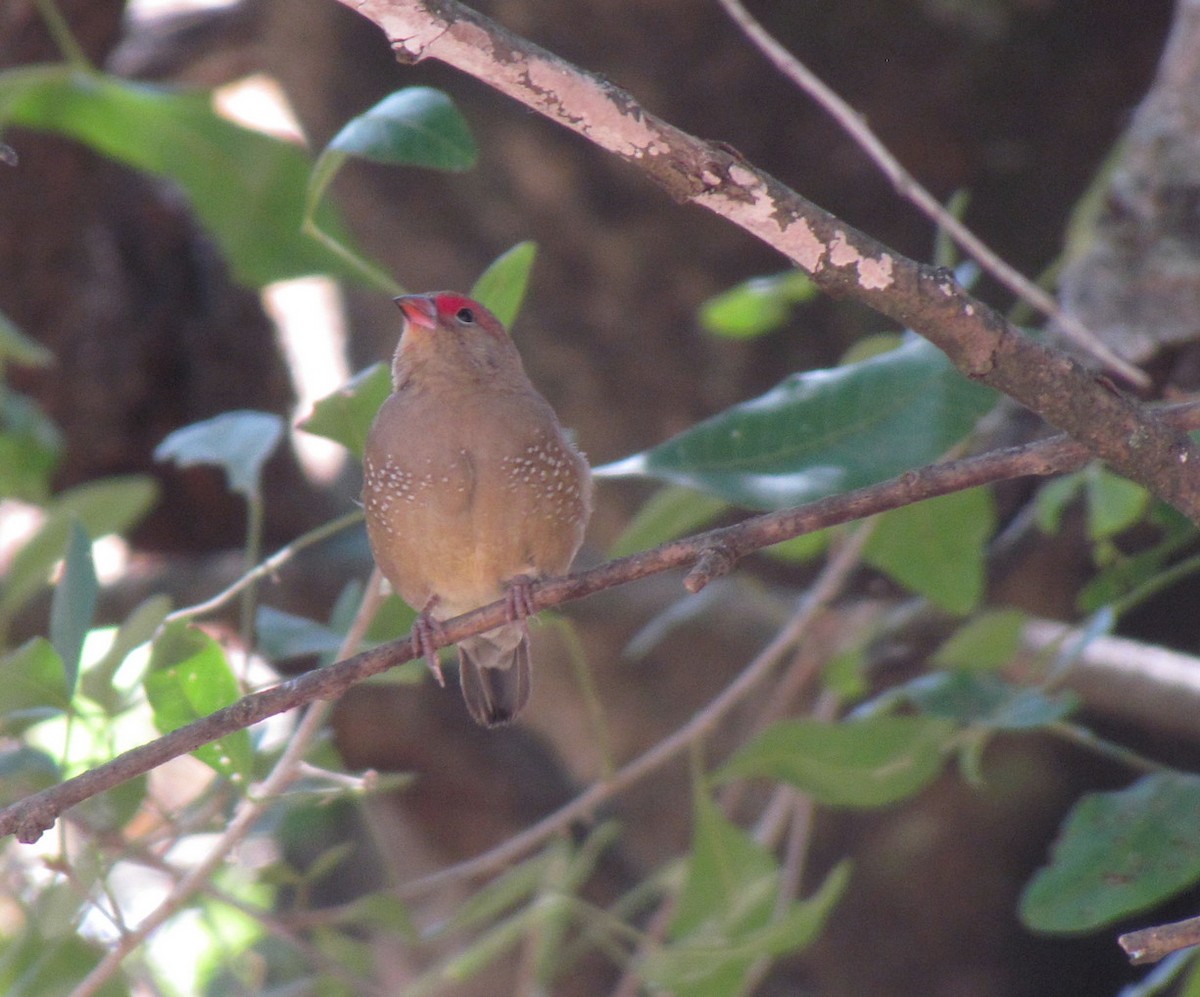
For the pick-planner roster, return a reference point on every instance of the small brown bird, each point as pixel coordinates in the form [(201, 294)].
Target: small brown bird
[(471, 490)]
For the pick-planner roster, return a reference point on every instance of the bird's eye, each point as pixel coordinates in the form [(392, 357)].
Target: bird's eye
[(465, 316)]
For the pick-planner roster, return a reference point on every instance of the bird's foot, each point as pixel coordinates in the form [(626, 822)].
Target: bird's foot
[(518, 598), (427, 638)]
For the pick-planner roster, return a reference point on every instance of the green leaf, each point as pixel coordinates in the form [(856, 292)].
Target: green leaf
[(239, 442), (728, 892), (1117, 854), (284, 635), (34, 685), (246, 188), (25, 771), (416, 126), (856, 763), (730, 877), (110, 505), (823, 432), (757, 306), (937, 548), (988, 701), (1113, 503), (346, 416), (724, 918), (985, 643), (501, 287), (37, 966), (669, 513), (30, 448), (1053, 498), (110, 811), (73, 605), (703, 964), (18, 348), (801, 549), (190, 678)]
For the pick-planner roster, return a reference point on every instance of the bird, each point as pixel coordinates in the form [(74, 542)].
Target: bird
[(471, 491)]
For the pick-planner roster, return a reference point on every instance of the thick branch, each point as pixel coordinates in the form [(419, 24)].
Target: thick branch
[(28, 818), (841, 260)]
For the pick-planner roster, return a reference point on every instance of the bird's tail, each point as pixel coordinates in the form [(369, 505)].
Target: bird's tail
[(494, 672)]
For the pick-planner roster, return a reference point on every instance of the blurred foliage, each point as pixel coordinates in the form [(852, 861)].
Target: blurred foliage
[(87, 690)]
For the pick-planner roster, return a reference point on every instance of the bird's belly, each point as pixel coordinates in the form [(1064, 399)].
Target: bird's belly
[(443, 544)]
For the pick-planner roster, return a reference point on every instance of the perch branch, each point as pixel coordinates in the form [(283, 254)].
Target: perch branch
[(840, 260), (28, 818)]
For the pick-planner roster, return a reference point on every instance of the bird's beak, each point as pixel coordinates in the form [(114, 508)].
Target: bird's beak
[(418, 310)]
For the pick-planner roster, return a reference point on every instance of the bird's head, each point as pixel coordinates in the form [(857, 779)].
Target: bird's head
[(448, 331)]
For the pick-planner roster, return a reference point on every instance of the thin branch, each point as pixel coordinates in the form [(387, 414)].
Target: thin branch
[(28, 818), (249, 811), (839, 259), (1152, 944), (907, 186), (268, 567)]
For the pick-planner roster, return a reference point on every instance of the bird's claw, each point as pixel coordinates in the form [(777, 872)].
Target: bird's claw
[(425, 643), (518, 598)]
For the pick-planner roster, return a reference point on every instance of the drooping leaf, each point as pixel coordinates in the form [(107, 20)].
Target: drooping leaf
[(937, 548), (724, 918), (823, 432), (247, 188), (757, 306), (501, 287), (25, 771), (30, 448), (110, 505), (347, 414), (74, 604), (714, 965), (856, 763), (240, 443), (34, 685), (729, 890), (284, 635), (416, 126), (189, 679), (110, 811), (1118, 853)]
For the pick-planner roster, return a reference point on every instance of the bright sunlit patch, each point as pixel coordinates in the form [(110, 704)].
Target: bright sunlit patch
[(258, 102), (312, 334), (18, 522)]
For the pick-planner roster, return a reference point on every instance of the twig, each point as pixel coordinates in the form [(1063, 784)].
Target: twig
[(29, 817), (838, 258), (1153, 944), (908, 187), (250, 810), (267, 567)]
